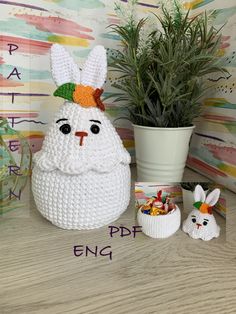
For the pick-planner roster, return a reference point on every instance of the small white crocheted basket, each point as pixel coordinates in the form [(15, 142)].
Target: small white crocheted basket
[(161, 226)]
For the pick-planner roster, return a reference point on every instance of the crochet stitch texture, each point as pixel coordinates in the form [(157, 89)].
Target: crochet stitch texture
[(201, 223), (161, 226), (81, 178)]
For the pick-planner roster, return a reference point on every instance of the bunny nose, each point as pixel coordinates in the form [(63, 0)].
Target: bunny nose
[(81, 134), (199, 225)]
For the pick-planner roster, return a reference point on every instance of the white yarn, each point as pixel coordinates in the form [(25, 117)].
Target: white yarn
[(202, 225), (63, 67), (206, 233), (85, 201), (95, 68), (88, 186), (101, 152), (161, 226)]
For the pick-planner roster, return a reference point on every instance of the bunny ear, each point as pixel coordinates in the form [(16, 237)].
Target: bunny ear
[(199, 194), (95, 68), (213, 197), (64, 69)]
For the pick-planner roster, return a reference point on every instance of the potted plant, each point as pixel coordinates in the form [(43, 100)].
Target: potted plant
[(162, 70), (187, 193), (14, 168)]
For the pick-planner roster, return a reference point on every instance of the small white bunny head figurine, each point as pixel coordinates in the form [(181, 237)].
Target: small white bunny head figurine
[(82, 158), (201, 223)]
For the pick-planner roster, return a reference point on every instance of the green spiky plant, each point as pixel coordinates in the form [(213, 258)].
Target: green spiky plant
[(162, 83), (190, 186)]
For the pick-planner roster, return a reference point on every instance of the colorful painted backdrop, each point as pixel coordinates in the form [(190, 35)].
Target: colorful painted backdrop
[(213, 146), (29, 28)]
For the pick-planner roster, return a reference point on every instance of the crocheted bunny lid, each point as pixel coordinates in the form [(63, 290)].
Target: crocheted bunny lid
[(79, 88), (81, 138), (204, 204)]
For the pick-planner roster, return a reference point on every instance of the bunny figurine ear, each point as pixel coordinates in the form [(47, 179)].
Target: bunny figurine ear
[(213, 197), (95, 68), (199, 194), (64, 69)]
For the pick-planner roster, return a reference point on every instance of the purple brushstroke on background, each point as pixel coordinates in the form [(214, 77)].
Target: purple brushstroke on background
[(23, 94), (209, 136), (39, 122), (23, 5), (145, 4)]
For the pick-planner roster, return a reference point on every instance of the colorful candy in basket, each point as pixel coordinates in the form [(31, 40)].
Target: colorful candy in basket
[(158, 205)]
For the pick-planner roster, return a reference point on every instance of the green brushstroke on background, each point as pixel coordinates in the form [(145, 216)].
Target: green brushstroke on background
[(80, 4), (204, 2), (25, 74), (110, 36), (21, 28), (222, 15), (82, 53)]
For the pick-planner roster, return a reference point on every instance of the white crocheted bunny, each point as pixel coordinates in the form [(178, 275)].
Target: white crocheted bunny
[(201, 223), (81, 178)]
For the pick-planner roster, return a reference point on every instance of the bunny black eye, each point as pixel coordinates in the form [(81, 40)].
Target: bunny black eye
[(194, 220), (205, 223), (65, 128), (95, 129)]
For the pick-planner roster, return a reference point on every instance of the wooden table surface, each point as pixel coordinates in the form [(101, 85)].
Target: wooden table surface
[(40, 274)]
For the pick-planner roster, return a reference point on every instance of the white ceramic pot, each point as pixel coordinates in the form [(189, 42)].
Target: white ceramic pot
[(161, 153), (161, 226), (188, 200)]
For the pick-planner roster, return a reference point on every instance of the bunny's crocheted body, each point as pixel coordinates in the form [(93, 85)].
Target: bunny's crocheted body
[(85, 201), (81, 178)]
